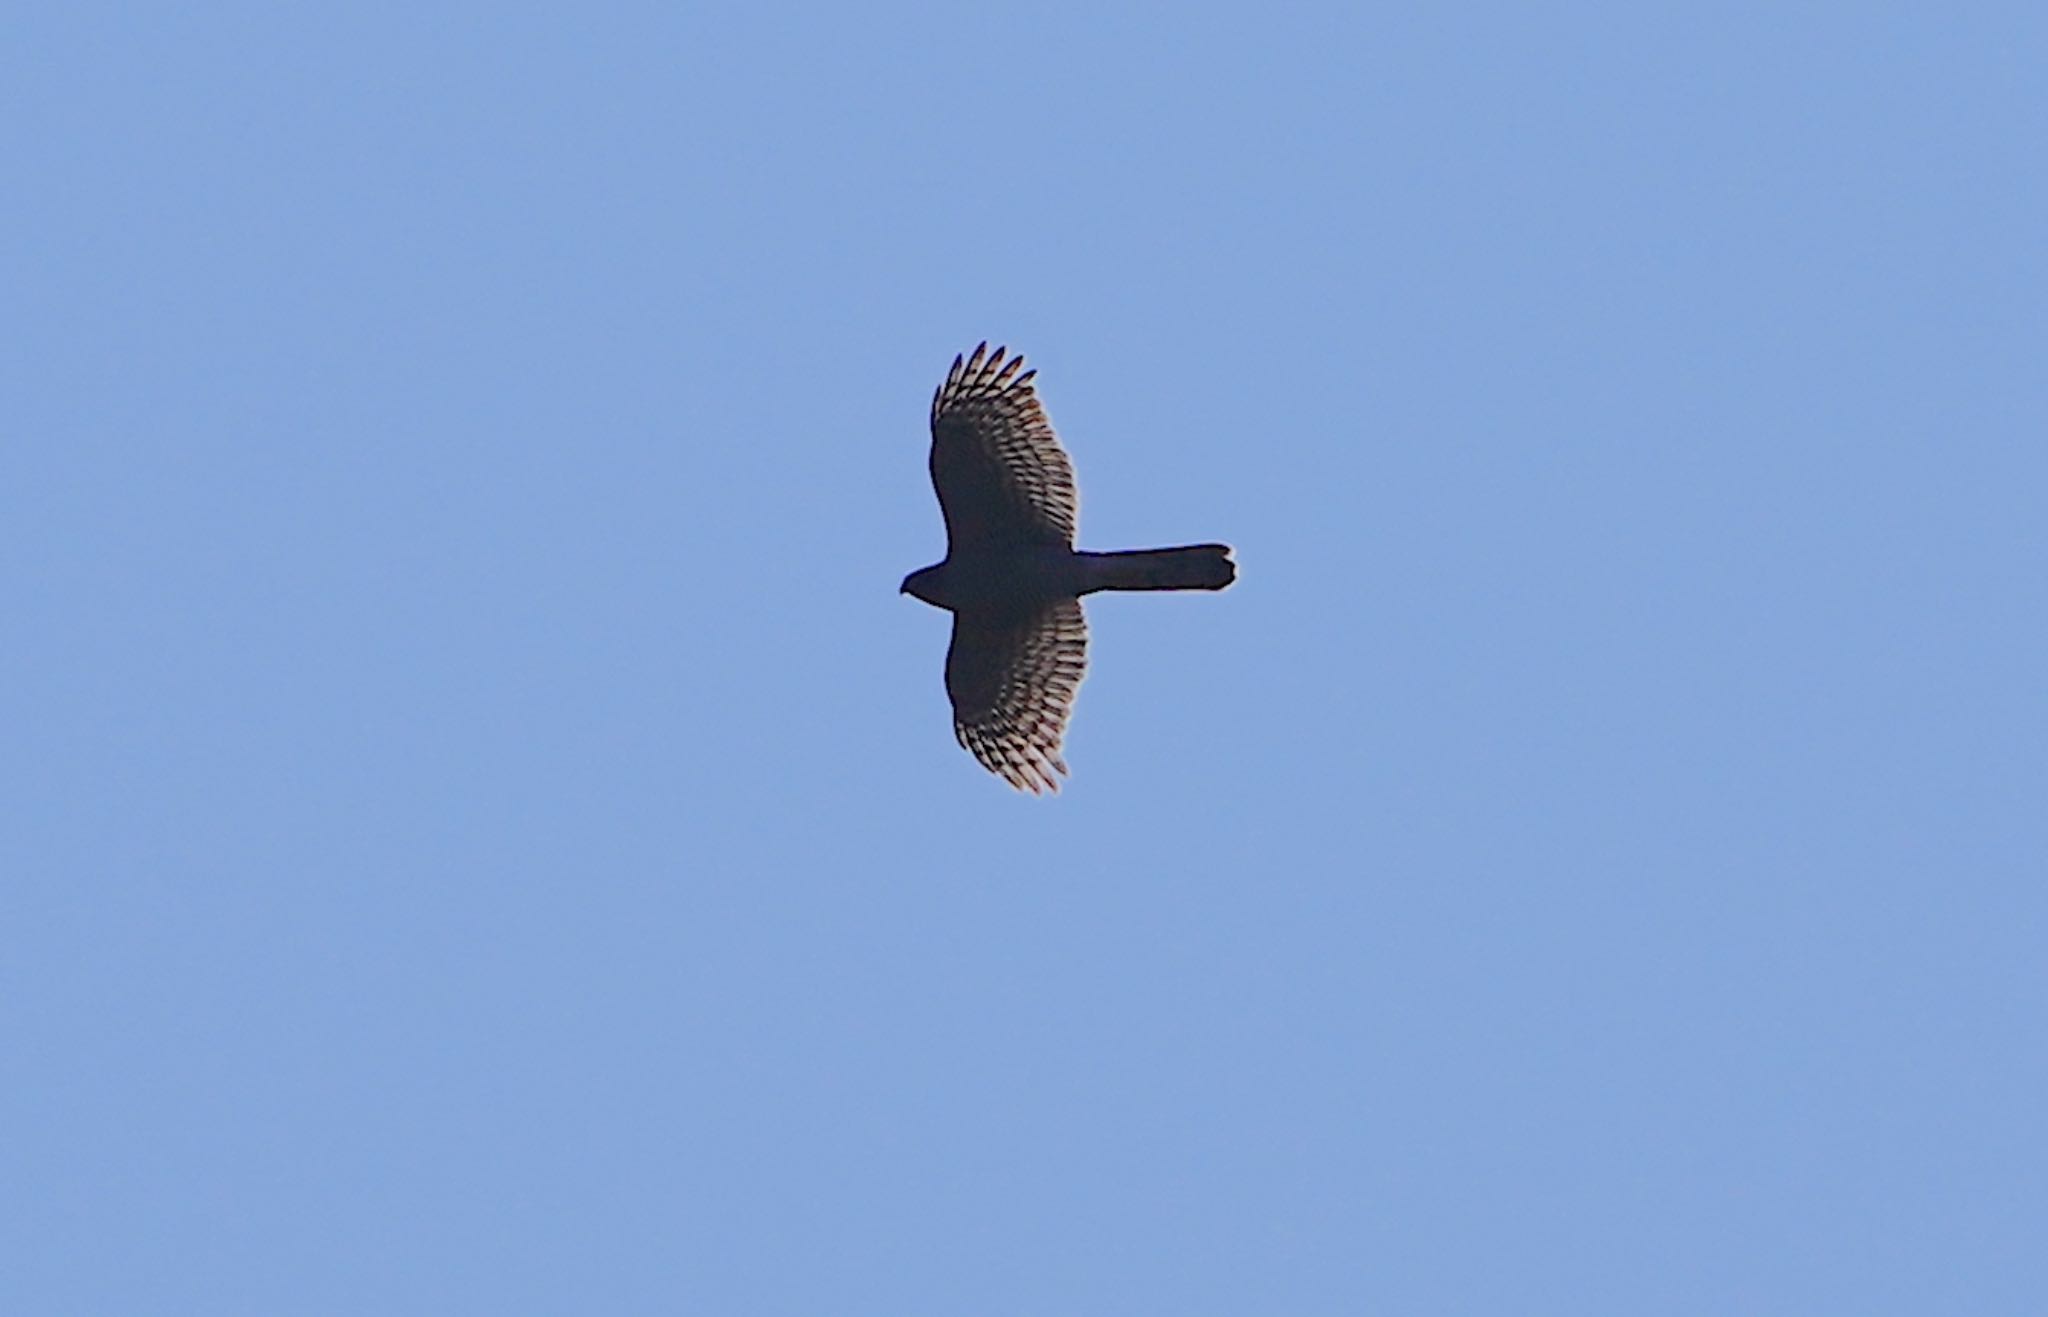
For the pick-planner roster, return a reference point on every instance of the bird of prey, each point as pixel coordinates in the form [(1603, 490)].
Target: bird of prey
[(1011, 577)]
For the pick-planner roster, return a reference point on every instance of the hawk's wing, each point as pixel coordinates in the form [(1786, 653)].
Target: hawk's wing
[(1012, 681), (1001, 475)]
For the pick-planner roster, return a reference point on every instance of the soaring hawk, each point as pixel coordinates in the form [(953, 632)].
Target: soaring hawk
[(1012, 578)]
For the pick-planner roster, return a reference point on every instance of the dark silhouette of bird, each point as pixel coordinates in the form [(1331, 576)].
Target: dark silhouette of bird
[(1012, 578)]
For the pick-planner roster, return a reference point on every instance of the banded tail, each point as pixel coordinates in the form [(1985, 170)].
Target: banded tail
[(1193, 567)]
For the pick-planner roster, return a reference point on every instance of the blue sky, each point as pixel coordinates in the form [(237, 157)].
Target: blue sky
[(482, 832)]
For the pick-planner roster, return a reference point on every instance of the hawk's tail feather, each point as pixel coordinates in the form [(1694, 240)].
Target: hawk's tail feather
[(1192, 567)]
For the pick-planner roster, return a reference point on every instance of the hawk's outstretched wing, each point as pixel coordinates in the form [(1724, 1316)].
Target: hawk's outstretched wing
[(1012, 681), (1001, 475)]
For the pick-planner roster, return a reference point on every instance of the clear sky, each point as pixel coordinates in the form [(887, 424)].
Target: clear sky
[(482, 832)]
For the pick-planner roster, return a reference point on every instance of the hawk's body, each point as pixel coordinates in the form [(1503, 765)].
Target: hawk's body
[(1011, 577)]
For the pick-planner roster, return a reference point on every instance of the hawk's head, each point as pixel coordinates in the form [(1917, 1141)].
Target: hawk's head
[(926, 584)]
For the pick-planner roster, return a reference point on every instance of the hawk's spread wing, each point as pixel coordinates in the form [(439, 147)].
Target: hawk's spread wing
[(1012, 681), (1001, 475)]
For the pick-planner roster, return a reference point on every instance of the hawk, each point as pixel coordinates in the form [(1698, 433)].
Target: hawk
[(1012, 578)]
